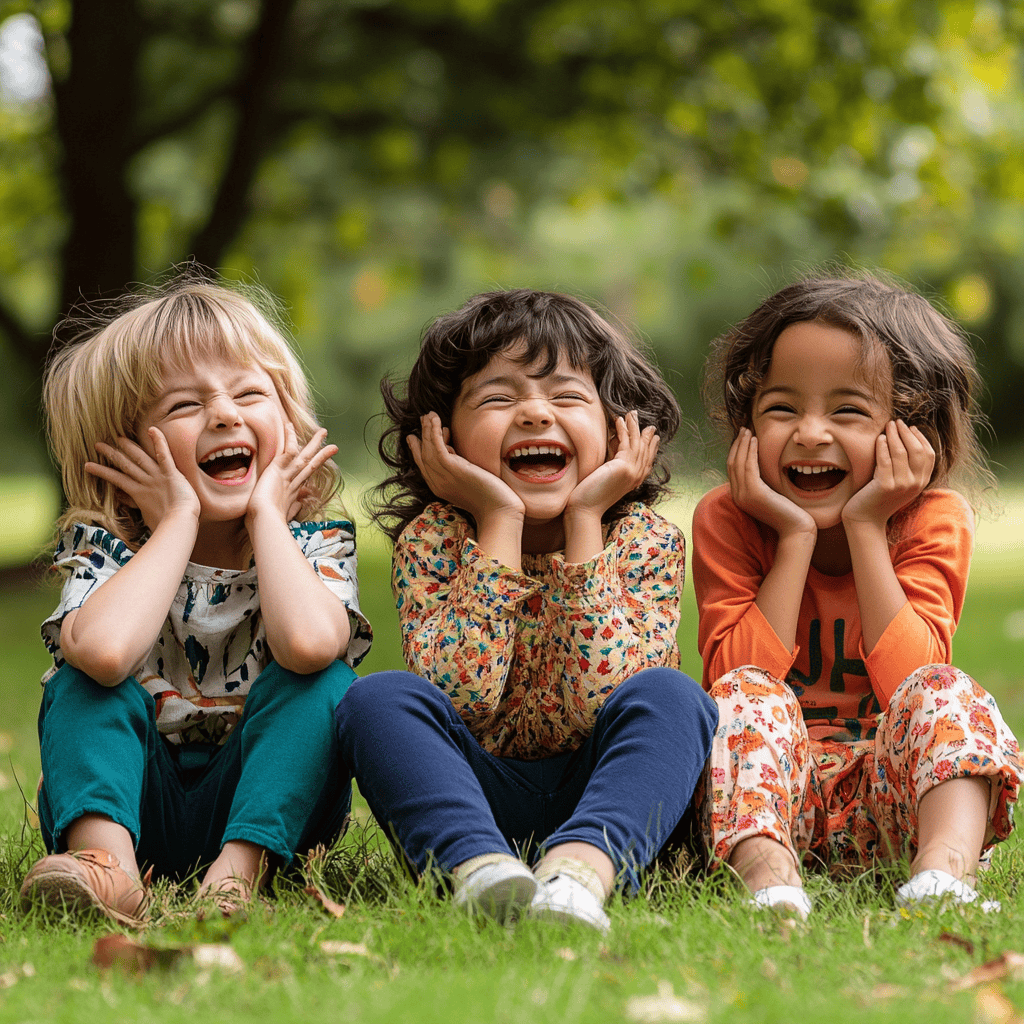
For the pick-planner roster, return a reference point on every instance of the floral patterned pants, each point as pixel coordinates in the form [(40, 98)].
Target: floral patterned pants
[(847, 803)]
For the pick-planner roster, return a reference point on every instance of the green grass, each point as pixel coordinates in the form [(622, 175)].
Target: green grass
[(858, 959)]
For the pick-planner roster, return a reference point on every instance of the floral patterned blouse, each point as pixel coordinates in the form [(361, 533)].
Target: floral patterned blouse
[(528, 658), (213, 643)]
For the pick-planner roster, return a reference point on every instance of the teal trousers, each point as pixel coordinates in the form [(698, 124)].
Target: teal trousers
[(274, 782)]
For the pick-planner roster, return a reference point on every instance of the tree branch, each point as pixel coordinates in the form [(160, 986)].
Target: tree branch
[(252, 130)]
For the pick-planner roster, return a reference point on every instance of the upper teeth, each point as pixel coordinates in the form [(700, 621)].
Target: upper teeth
[(535, 449), (812, 469), (224, 453)]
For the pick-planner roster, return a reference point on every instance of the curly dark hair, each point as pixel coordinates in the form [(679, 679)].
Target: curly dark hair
[(549, 326), (935, 380)]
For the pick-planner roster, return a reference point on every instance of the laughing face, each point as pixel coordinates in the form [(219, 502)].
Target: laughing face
[(224, 423), (817, 417), (541, 435)]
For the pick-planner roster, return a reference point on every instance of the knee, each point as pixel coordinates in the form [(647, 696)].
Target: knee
[(72, 691), (275, 686), (925, 682), (673, 696), (386, 694)]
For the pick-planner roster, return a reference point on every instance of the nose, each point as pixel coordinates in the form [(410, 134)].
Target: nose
[(812, 430), (535, 412), (222, 412)]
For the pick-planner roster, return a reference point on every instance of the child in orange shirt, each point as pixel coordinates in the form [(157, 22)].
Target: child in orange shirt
[(830, 575)]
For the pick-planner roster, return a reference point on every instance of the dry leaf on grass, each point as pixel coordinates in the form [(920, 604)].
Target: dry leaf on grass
[(665, 1006), (1007, 965), (992, 1007), (118, 951), (332, 908), (958, 940)]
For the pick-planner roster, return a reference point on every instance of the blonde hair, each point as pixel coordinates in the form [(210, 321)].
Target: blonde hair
[(102, 383)]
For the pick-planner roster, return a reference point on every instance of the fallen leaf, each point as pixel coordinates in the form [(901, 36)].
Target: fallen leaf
[(219, 955), (7, 979), (1006, 965), (887, 991), (332, 947), (335, 909), (957, 940), (565, 954), (665, 1006), (118, 951), (992, 1007)]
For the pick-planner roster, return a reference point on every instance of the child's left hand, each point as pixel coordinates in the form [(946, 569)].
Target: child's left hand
[(632, 457), (904, 460), (279, 489)]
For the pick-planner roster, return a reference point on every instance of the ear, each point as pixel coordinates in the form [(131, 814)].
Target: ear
[(613, 441)]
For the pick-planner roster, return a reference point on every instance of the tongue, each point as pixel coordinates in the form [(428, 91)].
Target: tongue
[(538, 466), (232, 468), (818, 481)]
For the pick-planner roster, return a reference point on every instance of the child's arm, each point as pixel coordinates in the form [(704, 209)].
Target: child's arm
[(731, 557), (457, 609), (307, 626), (903, 467), (782, 588), (109, 636)]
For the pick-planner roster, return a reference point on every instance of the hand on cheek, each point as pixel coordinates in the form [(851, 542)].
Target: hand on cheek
[(904, 460), (631, 455), (755, 497), (153, 483), (457, 480), (281, 487)]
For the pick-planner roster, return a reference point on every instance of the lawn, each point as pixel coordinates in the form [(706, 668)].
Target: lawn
[(688, 946)]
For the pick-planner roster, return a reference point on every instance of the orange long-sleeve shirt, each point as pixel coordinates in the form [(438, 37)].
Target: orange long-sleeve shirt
[(840, 688)]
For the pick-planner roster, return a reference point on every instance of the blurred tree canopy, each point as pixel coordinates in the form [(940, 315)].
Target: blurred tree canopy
[(376, 161)]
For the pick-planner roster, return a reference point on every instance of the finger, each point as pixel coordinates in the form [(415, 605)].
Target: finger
[(416, 450), (314, 463), (112, 476)]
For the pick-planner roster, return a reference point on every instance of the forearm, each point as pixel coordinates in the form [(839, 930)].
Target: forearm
[(880, 595), (111, 634), (781, 592), (584, 535), (307, 626), (499, 535)]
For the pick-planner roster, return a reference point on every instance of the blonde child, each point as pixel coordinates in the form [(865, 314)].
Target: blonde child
[(543, 716), (830, 575), (187, 718)]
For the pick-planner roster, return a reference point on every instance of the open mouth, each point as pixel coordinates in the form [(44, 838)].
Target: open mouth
[(815, 478), (538, 461), (228, 464)]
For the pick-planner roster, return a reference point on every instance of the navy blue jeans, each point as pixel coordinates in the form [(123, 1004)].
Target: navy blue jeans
[(274, 781), (443, 799)]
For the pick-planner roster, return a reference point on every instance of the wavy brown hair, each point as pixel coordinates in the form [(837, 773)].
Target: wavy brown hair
[(548, 326), (935, 380)]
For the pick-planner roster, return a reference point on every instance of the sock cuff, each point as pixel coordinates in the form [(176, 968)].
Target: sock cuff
[(462, 871), (578, 870)]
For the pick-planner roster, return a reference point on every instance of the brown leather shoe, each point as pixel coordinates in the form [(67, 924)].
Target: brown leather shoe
[(87, 880)]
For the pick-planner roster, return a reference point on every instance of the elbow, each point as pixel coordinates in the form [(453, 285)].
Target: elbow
[(305, 656), (108, 667)]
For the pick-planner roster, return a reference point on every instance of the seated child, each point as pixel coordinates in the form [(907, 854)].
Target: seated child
[(543, 716), (830, 575), (188, 717)]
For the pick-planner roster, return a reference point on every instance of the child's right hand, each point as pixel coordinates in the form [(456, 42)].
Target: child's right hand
[(154, 485), (756, 498), (457, 480)]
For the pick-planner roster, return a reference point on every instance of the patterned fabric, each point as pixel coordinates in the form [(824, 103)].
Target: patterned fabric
[(849, 802), (527, 658), (213, 643)]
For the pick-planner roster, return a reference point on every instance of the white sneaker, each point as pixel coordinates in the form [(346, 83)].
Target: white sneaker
[(497, 890), (563, 899), (784, 899), (932, 886)]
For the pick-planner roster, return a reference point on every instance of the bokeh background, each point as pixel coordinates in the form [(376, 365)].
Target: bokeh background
[(375, 162)]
